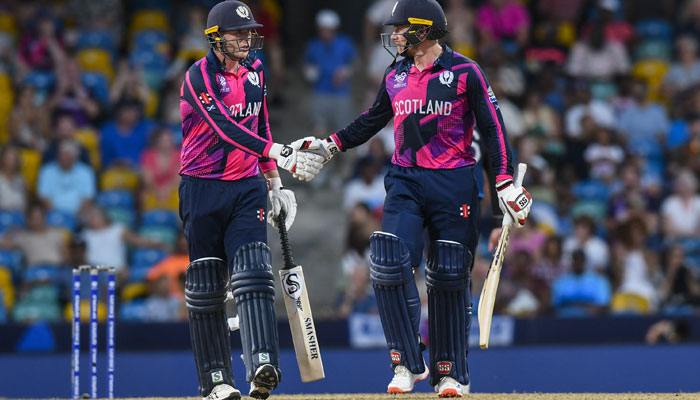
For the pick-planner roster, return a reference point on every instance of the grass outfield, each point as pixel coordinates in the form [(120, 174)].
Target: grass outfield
[(480, 396)]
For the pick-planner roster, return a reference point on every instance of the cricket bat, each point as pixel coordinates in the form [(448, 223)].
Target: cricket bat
[(488, 292), (301, 322)]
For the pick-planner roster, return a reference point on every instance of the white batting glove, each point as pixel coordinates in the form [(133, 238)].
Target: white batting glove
[(325, 148), (514, 201), (304, 165), (281, 199)]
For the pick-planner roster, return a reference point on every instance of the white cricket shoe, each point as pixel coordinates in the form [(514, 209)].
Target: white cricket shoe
[(223, 392), (403, 380), (265, 380), (449, 387)]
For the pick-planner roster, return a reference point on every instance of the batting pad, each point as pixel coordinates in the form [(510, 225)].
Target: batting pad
[(397, 299), (253, 288), (206, 283), (447, 278)]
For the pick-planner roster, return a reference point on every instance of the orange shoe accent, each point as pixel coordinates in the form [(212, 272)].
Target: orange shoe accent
[(395, 390), (449, 393)]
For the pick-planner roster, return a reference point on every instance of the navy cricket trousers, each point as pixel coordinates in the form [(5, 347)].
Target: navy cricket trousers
[(220, 216), (443, 201)]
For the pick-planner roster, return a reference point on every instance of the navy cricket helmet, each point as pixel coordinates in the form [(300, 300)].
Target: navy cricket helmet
[(425, 19), (232, 15)]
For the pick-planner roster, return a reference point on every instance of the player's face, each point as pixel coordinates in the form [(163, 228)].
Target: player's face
[(398, 37), (237, 42)]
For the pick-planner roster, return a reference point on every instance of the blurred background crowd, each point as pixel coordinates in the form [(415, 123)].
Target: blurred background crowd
[(601, 98)]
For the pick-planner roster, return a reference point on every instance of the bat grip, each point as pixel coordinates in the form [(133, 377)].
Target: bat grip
[(284, 241)]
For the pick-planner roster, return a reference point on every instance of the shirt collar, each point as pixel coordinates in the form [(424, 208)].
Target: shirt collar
[(214, 65), (446, 61)]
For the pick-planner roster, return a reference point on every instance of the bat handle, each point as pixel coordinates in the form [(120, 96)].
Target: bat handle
[(284, 240), (522, 168)]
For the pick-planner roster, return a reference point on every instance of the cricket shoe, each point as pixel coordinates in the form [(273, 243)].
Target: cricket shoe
[(449, 387), (403, 380), (223, 392), (265, 380)]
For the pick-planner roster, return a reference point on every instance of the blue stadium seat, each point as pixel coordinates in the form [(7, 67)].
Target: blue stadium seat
[(12, 259), (42, 81), (160, 218), (44, 273), (62, 220), (654, 29), (590, 190), (147, 257), (137, 273), (97, 39), (149, 40), (116, 199), (9, 219), (134, 310), (98, 84)]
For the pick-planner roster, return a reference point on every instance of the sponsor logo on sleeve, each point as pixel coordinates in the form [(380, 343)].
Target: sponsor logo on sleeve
[(492, 97)]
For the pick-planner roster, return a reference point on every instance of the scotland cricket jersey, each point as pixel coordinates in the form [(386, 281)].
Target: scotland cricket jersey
[(225, 127), (434, 112)]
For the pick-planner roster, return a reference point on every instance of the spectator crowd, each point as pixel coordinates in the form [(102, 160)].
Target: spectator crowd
[(601, 98)]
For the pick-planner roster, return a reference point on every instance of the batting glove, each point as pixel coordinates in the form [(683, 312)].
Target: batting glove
[(281, 199), (303, 164), (514, 201)]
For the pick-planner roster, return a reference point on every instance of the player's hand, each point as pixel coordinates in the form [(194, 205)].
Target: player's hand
[(303, 164), (325, 148), (514, 201), (281, 199)]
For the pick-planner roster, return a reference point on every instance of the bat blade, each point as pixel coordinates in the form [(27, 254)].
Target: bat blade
[(301, 323), (488, 292)]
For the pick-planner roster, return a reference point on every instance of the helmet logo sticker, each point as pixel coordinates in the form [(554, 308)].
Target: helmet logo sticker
[(394, 9), (243, 12), (254, 78), (446, 77)]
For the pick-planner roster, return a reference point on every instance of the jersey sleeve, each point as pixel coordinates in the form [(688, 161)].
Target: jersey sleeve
[(496, 212), (369, 122), (199, 92), (490, 123), (265, 163)]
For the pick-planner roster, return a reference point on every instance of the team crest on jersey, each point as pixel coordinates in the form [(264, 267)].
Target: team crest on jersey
[(400, 80), (254, 78), (492, 97), (446, 77), (223, 84), (206, 100), (243, 12)]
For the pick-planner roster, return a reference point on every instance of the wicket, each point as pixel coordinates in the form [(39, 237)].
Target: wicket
[(75, 356)]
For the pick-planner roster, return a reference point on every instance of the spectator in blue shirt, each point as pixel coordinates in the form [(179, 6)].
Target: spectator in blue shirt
[(123, 140), (66, 184), (327, 65), (580, 293)]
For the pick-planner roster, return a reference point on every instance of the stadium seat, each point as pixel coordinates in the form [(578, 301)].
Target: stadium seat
[(31, 161), (116, 199), (163, 234), (629, 303), (160, 218), (44, 273), (133, 311), (150, 19), (138, 273), (85, 311), (652, 72), (98, 39), (654, 29), (9, 219), (6, 104), (7, 288), (150, 202), (7, 24), (134, 290), (89, 139), (63, 220), (653, 49), (116, 178), (40, 303), (98, 84), (146, 256), (11, 259), (96, 60), (41, 81)]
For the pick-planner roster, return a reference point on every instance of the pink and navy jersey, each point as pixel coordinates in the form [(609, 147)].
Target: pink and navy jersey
[(225, 128), (434, 113)]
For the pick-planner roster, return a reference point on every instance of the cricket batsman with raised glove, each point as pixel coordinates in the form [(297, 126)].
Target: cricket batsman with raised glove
[(435, 96), (223, 203)]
